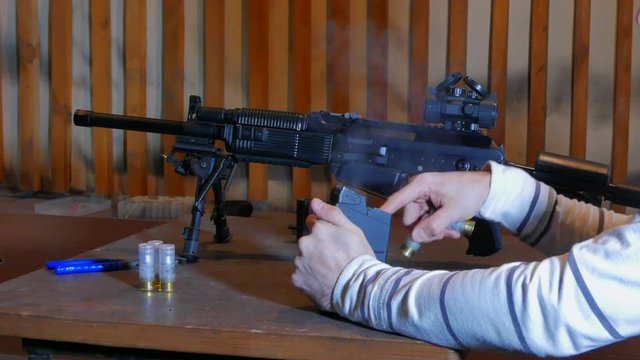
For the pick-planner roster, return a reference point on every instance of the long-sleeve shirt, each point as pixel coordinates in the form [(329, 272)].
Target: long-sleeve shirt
[(585, 295)]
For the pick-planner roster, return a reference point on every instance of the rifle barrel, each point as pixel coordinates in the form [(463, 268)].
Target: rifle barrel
[(136, 123)]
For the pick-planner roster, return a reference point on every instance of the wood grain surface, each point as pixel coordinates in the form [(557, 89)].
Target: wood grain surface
[(580, 86), (173, 100), (135, 100), (29, 240), (60, 38), (301, 85), (499, 43), (101, 97), (29, 94), (457, 38), (538, 51), (419, 60), (237, 300)]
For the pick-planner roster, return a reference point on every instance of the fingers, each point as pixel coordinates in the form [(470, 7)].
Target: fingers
[(414, 212), (297, 278), (435, 226), (331, 214), (304, 245), (310, 221), (401, 198)]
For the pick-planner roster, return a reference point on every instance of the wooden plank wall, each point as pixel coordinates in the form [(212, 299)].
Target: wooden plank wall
[(367, 56), (101, 98), (29, 94)]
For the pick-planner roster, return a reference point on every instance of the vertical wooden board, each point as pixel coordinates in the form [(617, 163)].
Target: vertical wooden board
[(61, 77), (2, 150), (559, 77), (44, 16), (214, 52), (339, 45), (399, 15), (234, 75), (118, 93), (135, 101), (28, 94), (580, 82), (172, 83), (478, 40), (320, 177), (457, 38), (301, 84), (155, 162), (258, 96), (622, 91), (633, 177), (193, 64), (81, 161), (193, 51), (602, 49), (102, 139), (339, 50), (517, 81), (498, 44), (358, 57), (235, 94), (319, 54), (9, 99), (278, 55), (279, 182), (419, 59), (378, 50), (538, 38), (438, 33)]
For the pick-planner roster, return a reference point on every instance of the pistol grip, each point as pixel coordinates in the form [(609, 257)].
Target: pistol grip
[(303, 209), (485, 239)]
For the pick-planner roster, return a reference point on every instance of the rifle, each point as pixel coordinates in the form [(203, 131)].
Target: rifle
[(378, 157)]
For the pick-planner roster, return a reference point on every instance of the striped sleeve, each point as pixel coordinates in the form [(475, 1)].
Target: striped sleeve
[(574, 221), (519, 202), (538, 216), (557, 307)]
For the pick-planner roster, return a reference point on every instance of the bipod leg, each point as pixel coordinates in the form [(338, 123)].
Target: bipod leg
[(219, 216), (192, 232)]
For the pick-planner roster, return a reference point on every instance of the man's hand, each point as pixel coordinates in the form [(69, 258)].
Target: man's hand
[(334, 241), (434, 201)]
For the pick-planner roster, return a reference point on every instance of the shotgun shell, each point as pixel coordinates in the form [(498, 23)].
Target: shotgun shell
[(156, 261), (410, 246), (167, 267), (146, 273)]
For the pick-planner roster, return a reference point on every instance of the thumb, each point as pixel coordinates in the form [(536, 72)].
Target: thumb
[(331, 214), (435, 226)]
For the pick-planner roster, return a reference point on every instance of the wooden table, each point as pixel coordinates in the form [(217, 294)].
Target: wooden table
[(28, 240), (237, 300)]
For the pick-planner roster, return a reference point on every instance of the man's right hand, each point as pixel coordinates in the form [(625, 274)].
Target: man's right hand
[(434, 201), (333, 242)]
